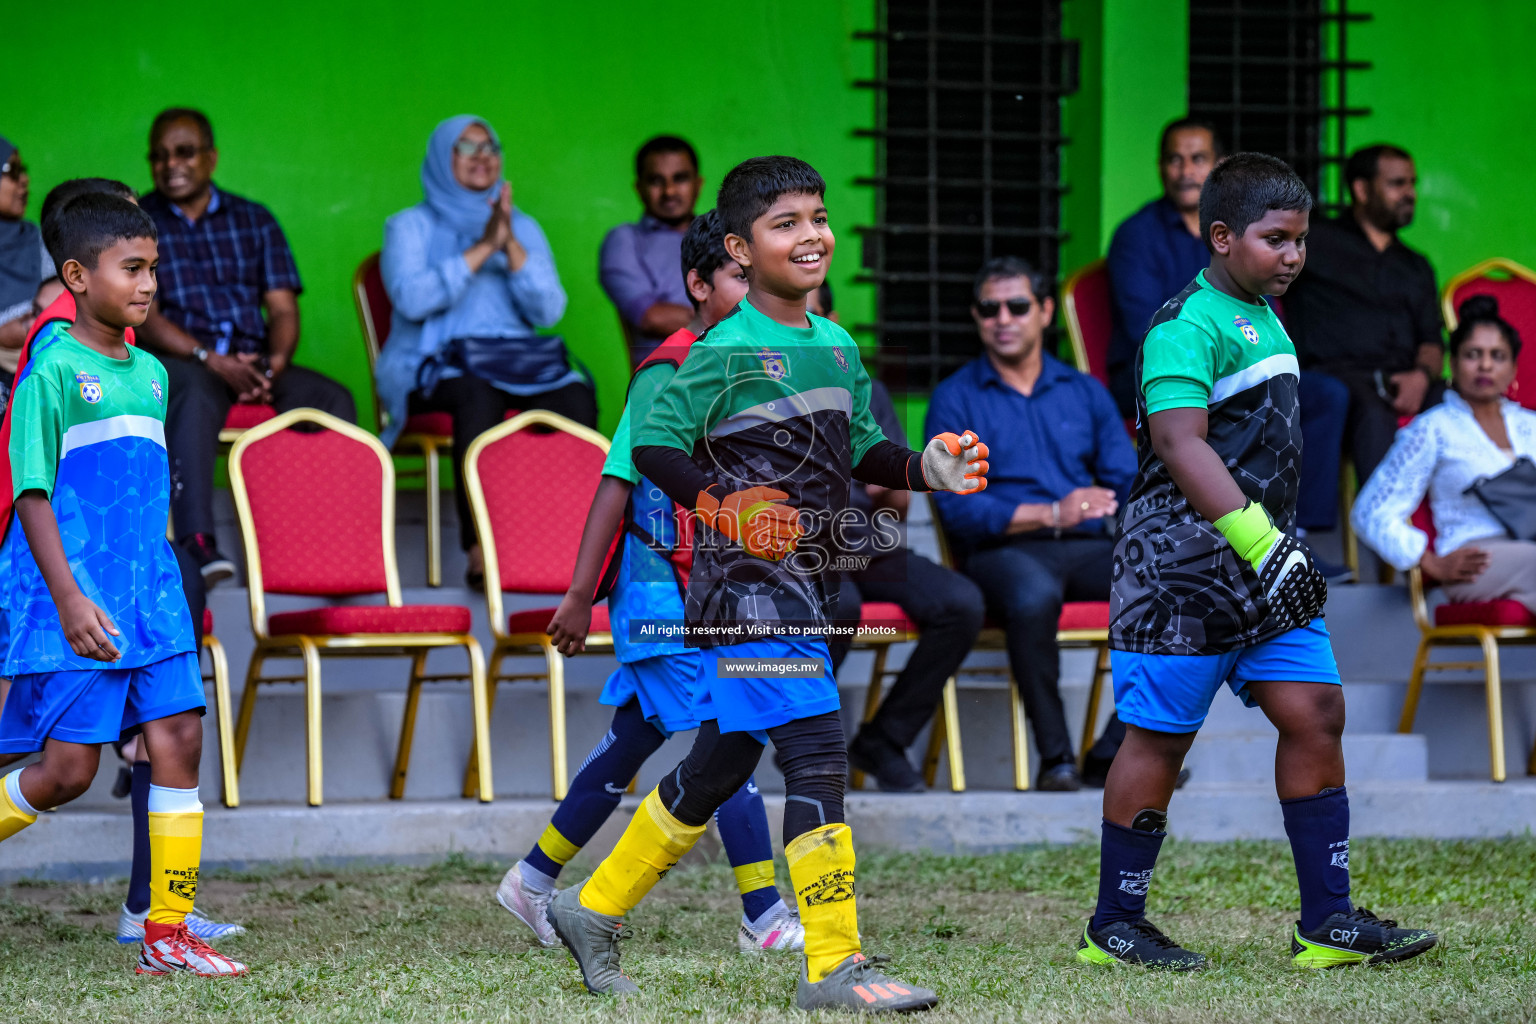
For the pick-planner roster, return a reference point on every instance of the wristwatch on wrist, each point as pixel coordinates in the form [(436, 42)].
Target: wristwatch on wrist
[(200, 353)]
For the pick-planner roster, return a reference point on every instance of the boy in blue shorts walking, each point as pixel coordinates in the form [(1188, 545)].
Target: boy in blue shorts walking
[(101, 641), (1209, 590), (655, 686), (758, 434)]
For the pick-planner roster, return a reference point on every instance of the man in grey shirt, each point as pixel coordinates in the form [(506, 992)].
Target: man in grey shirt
[(640, 264)]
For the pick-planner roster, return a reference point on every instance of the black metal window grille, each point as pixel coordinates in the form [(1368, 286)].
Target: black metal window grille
[(1275, 78), (968, 141)]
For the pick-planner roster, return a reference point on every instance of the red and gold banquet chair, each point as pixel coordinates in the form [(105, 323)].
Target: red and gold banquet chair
[(1086, 300), (1515, 288), (317, 516), (218, 675), (427, 434), (1481, 624), (531, 480)]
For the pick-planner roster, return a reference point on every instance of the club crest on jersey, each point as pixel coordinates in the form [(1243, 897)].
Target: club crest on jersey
[(154, 389), (842, 360), (775, 365), (1245, 325), (90, 387)]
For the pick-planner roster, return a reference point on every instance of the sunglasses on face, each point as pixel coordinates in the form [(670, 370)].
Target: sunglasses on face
[(183, 153), (988, 309), (13, 169), (467, 148)]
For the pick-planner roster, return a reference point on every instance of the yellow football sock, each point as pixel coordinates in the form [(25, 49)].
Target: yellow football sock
[(556, 847), (175, 851), (652, 844), (15, 813), (752, 877), (821, 870)]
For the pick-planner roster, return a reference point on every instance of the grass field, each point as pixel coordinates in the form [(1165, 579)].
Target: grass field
[(992, 934)]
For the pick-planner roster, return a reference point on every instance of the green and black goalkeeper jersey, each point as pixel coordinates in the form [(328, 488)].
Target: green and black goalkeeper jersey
[(757, 403), (1179, 587)]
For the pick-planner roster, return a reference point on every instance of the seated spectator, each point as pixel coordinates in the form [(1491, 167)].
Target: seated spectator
[(225, 321), (1475, 432), (472, 280), (945, 606), (638, 262), (1041, 533), (24, 263), (1365, 310)]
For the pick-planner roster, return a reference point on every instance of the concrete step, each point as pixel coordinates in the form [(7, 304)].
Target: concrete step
[(1235, 758), (77, 843)]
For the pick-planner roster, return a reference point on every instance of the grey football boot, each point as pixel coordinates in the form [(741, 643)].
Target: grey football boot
[(858, 984), (593, 940)]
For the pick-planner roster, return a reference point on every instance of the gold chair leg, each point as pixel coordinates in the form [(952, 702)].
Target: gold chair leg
[(408, 725), (872, 703), (951, 708), (472, 766), (1095, 692), (557, 762), (1020, 738), (316, 757), (434, 496), (220, 666), (480, 698), (1495, 706), (1415, 687), (247, 704)]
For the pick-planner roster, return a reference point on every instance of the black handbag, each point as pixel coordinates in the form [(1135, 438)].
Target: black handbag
[(523, 362), (1510, 497)]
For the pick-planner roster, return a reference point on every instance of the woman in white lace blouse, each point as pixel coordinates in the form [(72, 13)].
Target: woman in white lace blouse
[(1477, 432)]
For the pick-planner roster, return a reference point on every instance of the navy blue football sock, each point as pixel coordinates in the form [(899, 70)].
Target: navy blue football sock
[(743, 824), (138, 877), (1126, 858), (597, 788), (1318, 827)]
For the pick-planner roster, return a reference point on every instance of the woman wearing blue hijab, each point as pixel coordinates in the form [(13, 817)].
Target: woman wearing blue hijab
[(472, 279)]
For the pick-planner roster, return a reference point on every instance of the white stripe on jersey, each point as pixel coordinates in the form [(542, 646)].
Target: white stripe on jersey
[(1277, 365), (802, 403), (110, 429)]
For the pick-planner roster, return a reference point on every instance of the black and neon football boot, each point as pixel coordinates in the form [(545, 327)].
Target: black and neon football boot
[(1358, 937), (1135, 942)]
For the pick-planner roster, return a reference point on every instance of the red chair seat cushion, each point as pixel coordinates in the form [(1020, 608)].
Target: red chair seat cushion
[(207, 622), (1484, 613), (244, 417), (440, 423), (887, 614), (337, 620), (1084, 615), (536, 620)]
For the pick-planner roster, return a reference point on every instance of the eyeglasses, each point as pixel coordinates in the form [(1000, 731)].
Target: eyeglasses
[(183, 152), (989, 308), (467, 148), (13, 169)]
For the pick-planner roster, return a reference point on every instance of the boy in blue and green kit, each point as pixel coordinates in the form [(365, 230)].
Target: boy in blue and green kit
[(758, 434)]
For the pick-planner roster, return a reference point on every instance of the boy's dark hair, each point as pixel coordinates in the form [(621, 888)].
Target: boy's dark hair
[(1477, 311), (64, 191), (754, 185), (704, 248), (1185, 123), (664, 144), (824, 296), (1363, 163), (89, 224), (999, 267), (197, 117), (1246, 186)]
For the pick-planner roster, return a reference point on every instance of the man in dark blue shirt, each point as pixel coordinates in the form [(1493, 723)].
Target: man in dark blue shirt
[(1042, 531)]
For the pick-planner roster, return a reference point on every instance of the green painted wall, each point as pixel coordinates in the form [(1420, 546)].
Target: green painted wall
[(322, 111)]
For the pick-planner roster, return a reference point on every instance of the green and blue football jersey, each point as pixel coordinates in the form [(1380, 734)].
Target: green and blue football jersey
[(89, 432)]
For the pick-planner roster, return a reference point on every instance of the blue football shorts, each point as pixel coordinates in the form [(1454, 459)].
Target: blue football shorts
[(666, 687), (97, 705), (1173, 692), (755, 704)]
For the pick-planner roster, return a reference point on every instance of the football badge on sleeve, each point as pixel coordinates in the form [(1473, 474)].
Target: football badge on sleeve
[(90, 387)]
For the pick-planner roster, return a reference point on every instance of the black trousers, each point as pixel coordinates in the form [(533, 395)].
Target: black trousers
[(476, 406), (1025, 583), (948, 610), (198, 405), (1372, 424)]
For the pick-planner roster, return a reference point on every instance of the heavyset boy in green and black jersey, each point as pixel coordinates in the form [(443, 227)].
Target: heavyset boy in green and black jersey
[(759, 433), (1209, 589)]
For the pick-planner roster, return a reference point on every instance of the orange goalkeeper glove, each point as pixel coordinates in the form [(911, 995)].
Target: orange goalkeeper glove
[(755, 519), (956, 464)]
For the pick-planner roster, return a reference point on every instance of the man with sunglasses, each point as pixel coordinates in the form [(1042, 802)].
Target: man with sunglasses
[(1042, 532), (225, 321)]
